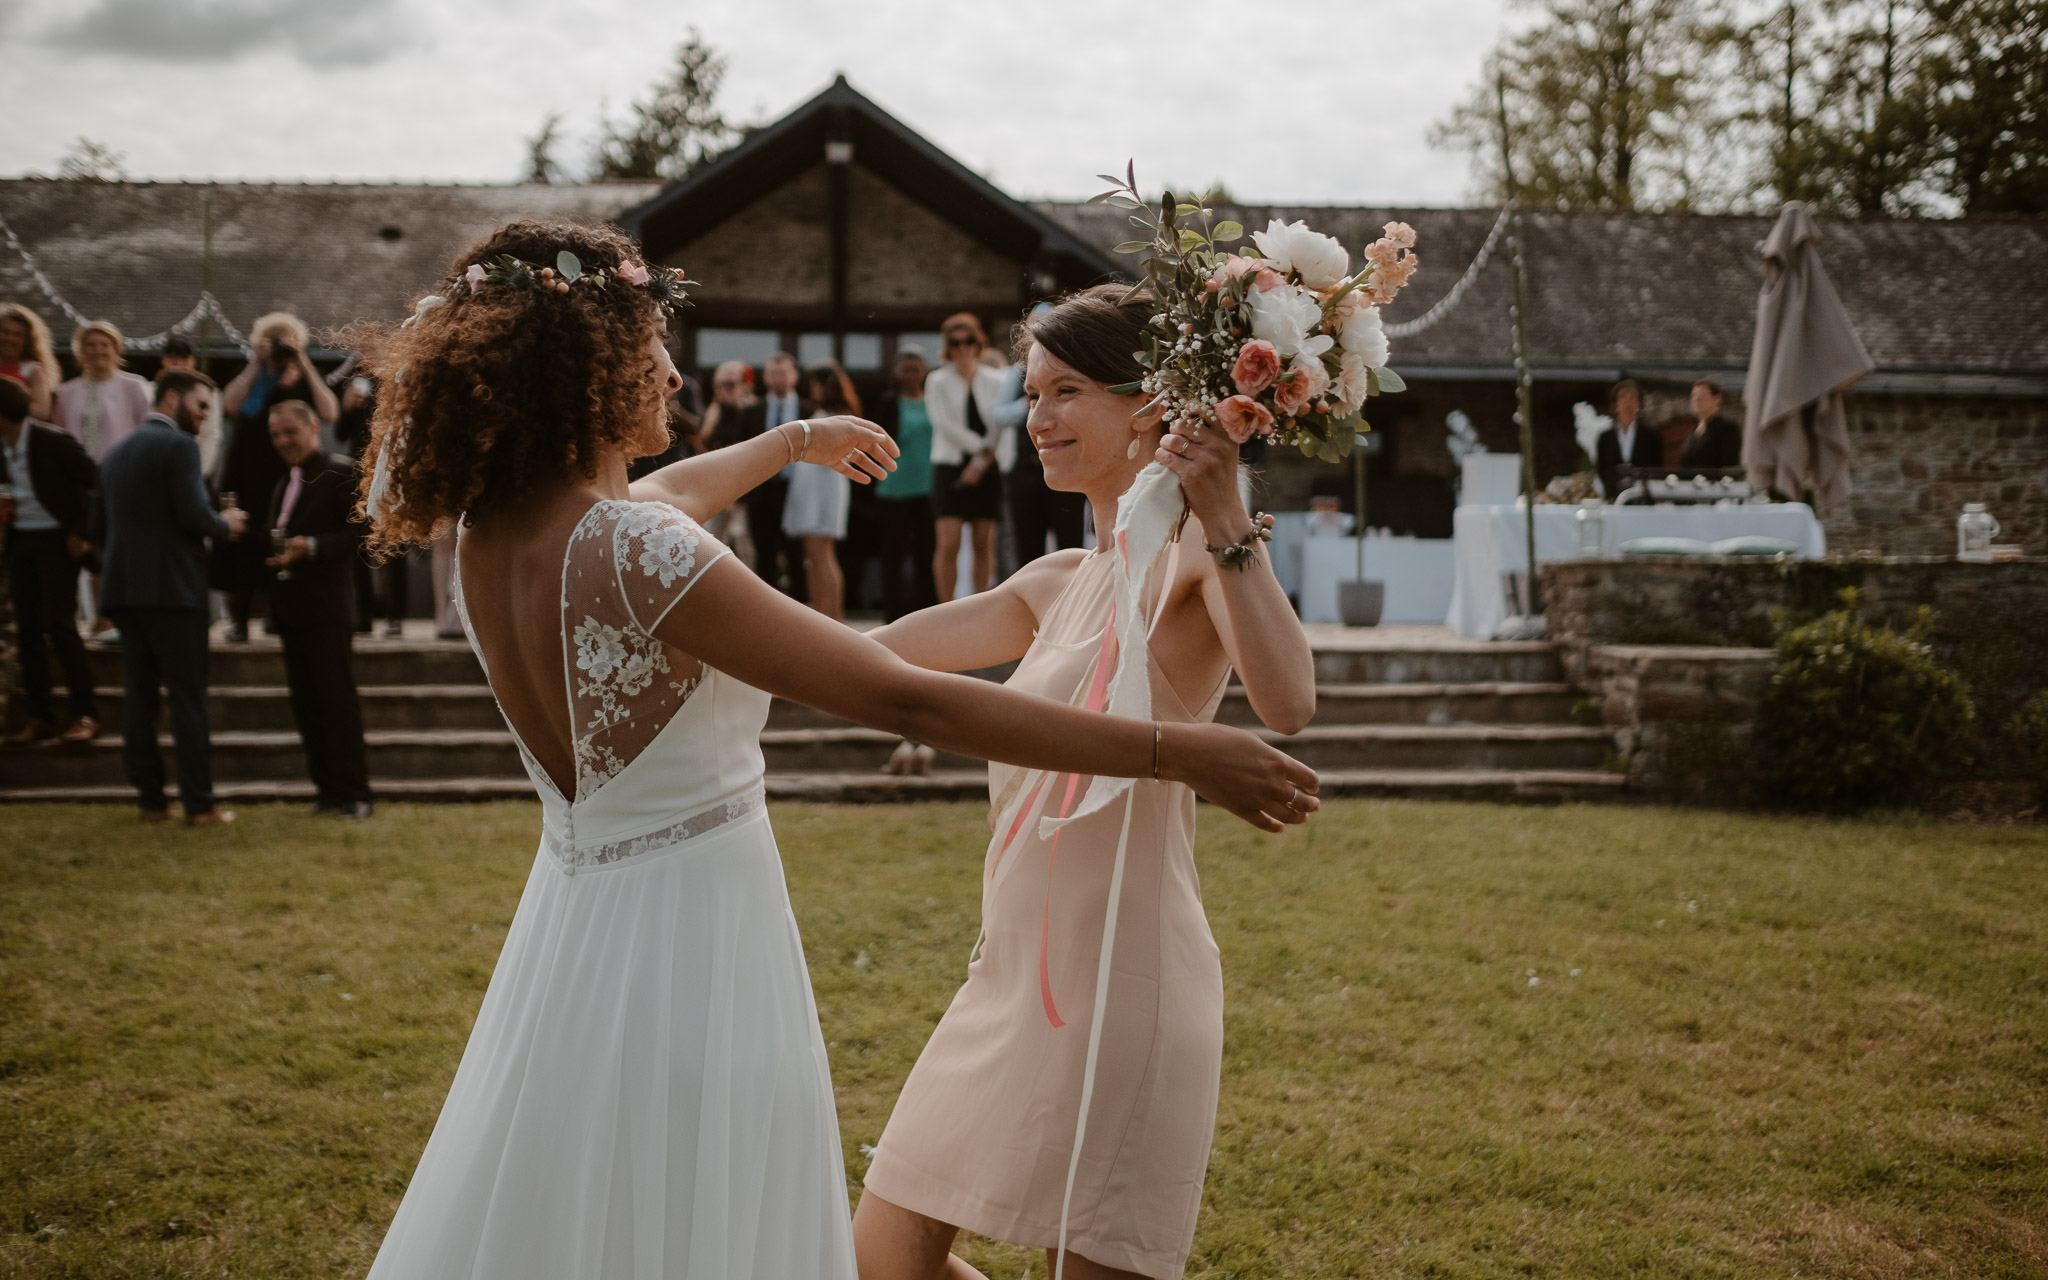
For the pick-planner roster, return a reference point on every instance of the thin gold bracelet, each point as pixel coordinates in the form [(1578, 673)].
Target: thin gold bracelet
[(1155, 751)]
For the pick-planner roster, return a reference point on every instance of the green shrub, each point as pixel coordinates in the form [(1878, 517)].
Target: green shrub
[(1857, 716), (2028, 730)]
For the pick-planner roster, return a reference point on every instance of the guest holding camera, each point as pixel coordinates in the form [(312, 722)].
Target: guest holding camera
[(313, 545), (281, 370), (151, 519), (46, 483)]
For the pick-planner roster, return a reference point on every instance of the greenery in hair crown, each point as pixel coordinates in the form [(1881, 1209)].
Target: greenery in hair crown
[(663, 284)]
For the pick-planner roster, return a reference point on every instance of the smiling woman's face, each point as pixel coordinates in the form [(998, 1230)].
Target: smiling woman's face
[(1083, 434)]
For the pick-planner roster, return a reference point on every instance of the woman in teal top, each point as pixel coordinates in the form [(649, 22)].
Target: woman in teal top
[(904, 496)]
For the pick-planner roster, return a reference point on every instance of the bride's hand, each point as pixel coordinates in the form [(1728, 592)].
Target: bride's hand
[(1234, 770), (854, 447)]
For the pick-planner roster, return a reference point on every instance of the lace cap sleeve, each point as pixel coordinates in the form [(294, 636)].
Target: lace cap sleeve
[(658, 554)]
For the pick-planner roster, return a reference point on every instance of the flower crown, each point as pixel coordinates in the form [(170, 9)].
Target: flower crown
[(663, 284)]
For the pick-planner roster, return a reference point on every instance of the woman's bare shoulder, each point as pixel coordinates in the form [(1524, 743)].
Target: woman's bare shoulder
[(1039, 583)]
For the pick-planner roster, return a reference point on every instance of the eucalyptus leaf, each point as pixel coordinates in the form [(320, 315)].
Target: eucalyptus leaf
[(1388, 380), (1134, 246), (1308, 447), (1343, 441), (1111, 178), (1227, 231), (1330, 451), (1125, 388), (1122, 201), (1107, 195), (1190, 239), (567, 267)]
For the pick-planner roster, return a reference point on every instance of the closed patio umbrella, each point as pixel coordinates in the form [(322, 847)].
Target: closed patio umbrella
[(1806, 353)]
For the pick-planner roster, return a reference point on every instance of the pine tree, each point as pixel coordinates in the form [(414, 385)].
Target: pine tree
[(677, 127)]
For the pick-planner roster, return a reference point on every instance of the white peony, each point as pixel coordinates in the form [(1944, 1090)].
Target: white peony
[(1352, 384), (1288, 317), (1322, 262), (1364, 336)]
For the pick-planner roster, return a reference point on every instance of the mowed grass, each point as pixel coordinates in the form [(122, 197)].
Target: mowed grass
[(1462, 1041)]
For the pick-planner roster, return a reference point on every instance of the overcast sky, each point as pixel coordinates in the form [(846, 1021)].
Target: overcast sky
[(1038, 95)]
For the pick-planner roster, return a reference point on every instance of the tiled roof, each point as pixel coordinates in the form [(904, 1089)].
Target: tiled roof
[(132, 252), (1644, 292)]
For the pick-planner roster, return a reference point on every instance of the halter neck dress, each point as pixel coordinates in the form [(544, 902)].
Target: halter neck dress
[(645, 1092), (983, 1133)]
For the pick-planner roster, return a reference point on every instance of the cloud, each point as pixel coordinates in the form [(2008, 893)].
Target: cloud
[(314, 31)]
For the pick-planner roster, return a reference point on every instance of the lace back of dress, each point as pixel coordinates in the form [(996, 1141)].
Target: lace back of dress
[(626, 566)]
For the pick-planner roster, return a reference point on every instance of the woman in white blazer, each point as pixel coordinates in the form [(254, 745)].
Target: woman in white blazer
[(970, 454)]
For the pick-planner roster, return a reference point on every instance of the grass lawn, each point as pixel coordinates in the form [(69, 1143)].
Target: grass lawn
[(1462, 1041)]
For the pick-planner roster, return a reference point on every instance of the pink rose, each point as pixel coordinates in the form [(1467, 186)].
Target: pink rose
[(475, 276), (1257, 365), (632, 272), (1242, 417), (1302, 384), (1236, 265)]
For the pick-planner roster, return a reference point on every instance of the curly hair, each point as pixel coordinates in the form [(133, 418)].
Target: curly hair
[(487, 397)]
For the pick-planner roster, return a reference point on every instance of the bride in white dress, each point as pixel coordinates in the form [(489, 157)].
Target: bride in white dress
[(645, 1091)]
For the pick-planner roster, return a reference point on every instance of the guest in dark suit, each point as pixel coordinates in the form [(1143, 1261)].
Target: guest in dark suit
[(314, 542), (1628, 442), (47, 478), (778, 558), (151, 519), (1715, 442)]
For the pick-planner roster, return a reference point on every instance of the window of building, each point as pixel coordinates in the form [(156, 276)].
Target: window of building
[(748, 346)]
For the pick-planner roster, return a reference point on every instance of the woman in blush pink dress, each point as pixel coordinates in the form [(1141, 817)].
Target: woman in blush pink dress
[(983, 1135)]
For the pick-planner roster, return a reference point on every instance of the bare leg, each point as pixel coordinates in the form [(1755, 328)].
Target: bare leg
[(821, 573), (946, 561), (892, 1243), (984, 554), (1080, 1268)]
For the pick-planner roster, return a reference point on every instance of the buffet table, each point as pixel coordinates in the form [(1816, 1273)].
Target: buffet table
[(1490, 544), (1417, 572)]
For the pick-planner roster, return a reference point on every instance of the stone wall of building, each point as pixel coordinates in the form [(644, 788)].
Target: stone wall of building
[(1917, 459), (1681, 714)]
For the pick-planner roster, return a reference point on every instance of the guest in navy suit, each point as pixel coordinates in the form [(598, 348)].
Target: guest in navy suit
[(151, 519)]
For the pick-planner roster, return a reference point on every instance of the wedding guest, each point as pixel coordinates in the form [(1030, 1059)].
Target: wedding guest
[(1036, 511), (104, 402), (1715, 441), (732, 390), (47, 481), (814, 514), (776, 558), (969, 454), (1627, 442), (314, 544), (177, 353), (151, 519), (281, 369), (26, 356), (903, 498)]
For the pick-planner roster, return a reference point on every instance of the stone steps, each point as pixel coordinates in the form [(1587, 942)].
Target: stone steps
[(1437, 716)]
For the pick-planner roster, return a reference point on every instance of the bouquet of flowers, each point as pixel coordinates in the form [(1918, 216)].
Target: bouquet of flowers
[(1277, 339)]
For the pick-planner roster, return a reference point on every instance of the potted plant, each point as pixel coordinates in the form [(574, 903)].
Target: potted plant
[(1359, 601)]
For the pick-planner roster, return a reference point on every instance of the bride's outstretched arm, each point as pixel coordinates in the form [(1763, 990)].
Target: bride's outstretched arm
[(710, 482), (733, 621)]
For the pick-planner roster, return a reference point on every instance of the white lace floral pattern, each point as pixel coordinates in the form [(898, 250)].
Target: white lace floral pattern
[(573, 858), (625, 685)]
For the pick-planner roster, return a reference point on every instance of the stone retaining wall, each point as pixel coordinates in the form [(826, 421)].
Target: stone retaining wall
[(1680, 714)]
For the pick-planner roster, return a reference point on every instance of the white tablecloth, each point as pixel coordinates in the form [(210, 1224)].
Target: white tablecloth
[(1417, 572), (1491, 543)]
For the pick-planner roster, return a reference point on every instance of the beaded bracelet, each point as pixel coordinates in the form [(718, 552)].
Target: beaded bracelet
[(1240, 554)]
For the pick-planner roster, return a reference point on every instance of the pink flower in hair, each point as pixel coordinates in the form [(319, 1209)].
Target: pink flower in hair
[(475, 276), (632, 271)]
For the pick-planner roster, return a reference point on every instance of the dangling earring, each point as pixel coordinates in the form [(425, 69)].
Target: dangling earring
[(1132, 452)]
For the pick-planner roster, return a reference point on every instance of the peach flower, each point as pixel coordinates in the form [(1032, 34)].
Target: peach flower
[(1242, 417), (632, 272), (1257, 365), (1305, 381), (475, 276)]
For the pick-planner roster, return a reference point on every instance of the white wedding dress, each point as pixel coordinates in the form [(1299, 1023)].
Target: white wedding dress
[(645, 1092)]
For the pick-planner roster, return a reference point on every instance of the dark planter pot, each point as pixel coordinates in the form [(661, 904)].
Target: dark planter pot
[(1359, 603)]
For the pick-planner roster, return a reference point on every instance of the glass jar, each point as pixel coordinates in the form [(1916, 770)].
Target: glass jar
[(1591, 518), (1975, 529)]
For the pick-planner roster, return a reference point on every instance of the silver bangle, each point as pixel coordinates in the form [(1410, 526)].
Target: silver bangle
[(804, 452)]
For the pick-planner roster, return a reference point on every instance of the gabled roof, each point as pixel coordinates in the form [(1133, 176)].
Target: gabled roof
[(886, 147), (1939, 303), (331, 253)]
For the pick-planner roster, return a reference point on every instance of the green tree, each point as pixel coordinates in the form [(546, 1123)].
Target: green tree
[(90, 161), (1596, 95), (541, 166), (677, 127), (1983, 83)]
